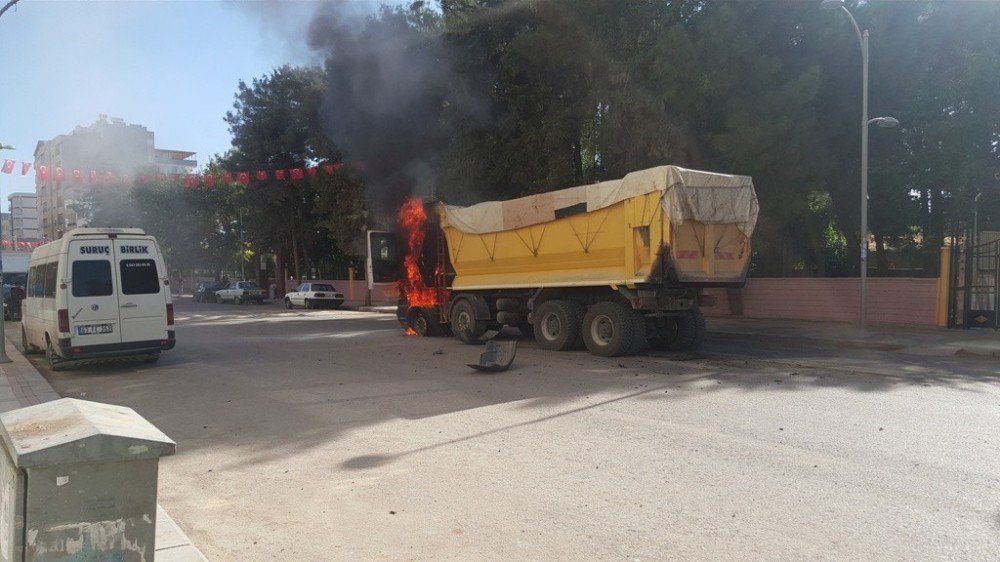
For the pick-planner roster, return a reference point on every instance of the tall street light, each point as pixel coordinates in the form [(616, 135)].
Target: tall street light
[(3, 321), (884, 122)]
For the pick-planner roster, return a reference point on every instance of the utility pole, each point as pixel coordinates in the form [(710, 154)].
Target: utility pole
[(884, 122), (3, 322)]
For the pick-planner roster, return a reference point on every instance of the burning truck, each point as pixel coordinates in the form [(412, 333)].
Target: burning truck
[(613, 266)]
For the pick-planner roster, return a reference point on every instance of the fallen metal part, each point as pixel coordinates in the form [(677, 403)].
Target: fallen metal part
[(497, 357)]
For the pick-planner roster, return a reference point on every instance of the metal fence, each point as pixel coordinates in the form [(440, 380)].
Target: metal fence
[(975, 269)]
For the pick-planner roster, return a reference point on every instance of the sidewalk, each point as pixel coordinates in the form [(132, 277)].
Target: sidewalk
[(22, 385), (939, 342)]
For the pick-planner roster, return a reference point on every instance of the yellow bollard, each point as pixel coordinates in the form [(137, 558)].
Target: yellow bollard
[(944, 286), (350, 283)]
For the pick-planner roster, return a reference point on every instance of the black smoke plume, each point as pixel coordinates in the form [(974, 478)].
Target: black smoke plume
[(390, 86)]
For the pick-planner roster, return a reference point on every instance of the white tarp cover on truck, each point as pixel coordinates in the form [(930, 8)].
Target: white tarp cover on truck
[(705, 197)]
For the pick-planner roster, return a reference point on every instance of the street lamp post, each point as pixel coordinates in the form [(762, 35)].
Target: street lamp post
[(3, 321), (884, 122)]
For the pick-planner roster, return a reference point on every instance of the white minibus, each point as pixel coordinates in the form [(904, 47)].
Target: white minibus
[(96, 293)]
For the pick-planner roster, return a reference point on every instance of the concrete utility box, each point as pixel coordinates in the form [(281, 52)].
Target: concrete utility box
[(78, 482)]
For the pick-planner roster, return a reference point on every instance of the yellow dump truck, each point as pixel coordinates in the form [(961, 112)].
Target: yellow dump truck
[(613, 266)]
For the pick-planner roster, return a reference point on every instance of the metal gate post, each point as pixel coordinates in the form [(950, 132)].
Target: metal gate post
[(953, 288), (967, 295), (996, 287)]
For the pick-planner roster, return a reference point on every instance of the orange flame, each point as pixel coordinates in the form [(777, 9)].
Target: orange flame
[(410, 332), (413, 218)]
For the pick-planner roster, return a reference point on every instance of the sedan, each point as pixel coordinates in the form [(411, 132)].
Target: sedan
[(314, 295), (206, 291), (241, 292)]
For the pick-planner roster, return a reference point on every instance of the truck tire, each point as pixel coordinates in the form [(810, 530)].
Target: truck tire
[(680, 333), (508, 304), (424, 324), (609, 329), (464, 324), (640, 340), (557, 325), (509, 318)]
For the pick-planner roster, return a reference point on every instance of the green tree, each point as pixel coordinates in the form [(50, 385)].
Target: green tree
[(276, 125)]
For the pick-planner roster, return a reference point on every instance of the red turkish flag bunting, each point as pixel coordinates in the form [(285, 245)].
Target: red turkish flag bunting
[(109, 178), (25, 167), (42, 173), (243, 177), (279, 174), (77, 176), (191, 181), (209, 181), (59, 174), (312, 171), (141, 178), (8, 166), (227, 177), (161, 177), (261, 175), (92, 176), (297, 173)]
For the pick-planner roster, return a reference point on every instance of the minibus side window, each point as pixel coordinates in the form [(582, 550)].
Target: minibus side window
[(92, 278), (139, 277), (49, 289), (33, 290)]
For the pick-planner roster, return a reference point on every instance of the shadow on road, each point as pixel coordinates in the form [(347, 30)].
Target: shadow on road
[(266, 384)]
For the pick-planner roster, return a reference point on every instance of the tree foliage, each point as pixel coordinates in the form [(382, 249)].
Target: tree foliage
[(470, 100), (276, 125), (584, 91)]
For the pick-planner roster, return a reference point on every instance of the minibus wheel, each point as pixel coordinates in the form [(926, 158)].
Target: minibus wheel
[(55, 362)]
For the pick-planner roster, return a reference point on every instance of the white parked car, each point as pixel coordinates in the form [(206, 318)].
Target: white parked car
[(241, 292), (314, 295)]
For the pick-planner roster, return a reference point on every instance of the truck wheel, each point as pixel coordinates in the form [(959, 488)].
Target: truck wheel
[(640, 340), (509, 304), (609, 329), (680, 333), (557, 325), (464, 324), (423, 324)]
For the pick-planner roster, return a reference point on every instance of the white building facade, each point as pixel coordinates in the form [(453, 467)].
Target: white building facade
[(25, 224), (109, 145)]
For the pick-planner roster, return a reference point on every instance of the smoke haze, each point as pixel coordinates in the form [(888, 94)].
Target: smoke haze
[(389, 80)]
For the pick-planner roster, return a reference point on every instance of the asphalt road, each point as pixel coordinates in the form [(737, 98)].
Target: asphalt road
[(324, 435)]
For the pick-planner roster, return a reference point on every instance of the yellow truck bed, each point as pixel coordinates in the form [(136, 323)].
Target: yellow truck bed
[(664, 225)]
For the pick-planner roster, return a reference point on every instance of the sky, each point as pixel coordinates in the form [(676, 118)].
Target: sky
[(171, 66)]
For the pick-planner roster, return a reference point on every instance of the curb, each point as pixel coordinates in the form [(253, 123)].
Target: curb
[(942, 350), (381, 309), (823, 342)]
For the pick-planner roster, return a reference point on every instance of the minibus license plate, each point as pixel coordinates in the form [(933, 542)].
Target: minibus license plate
[(95, 329)]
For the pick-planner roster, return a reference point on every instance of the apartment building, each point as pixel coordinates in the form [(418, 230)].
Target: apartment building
[(108, 145), (25, 226)]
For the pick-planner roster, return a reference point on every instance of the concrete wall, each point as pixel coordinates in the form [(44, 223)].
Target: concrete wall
[(902, 301), (383, 294)]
